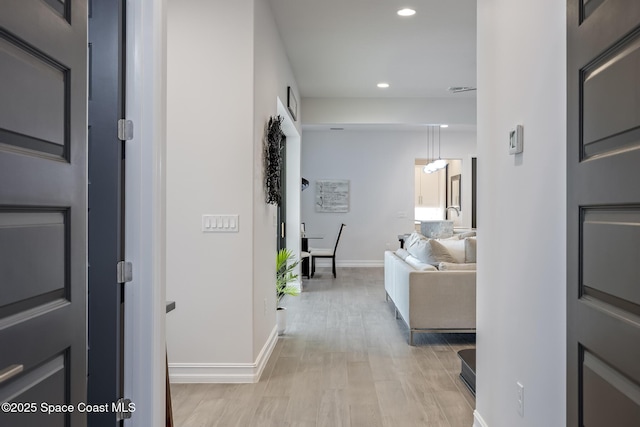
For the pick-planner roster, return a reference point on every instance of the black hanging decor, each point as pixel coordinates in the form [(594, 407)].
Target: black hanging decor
[(273, 160)]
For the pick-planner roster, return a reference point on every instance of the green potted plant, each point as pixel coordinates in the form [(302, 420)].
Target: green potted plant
[(285, 264)]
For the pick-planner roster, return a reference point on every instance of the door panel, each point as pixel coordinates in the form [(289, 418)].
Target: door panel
[(45, 382), (43, 206), (61, 7), (607, 236), (611, 117), (41, 236), (36, 84), (603, 296), (609, 398)]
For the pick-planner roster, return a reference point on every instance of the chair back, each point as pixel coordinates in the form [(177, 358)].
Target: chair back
[(338, 239)]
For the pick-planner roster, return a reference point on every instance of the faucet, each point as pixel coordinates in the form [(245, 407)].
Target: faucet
[(454, 208)]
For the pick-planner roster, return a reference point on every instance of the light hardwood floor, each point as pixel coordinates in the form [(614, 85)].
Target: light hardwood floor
[(343, 361)]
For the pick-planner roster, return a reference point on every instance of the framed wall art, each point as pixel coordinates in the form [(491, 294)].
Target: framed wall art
[(332, 195)]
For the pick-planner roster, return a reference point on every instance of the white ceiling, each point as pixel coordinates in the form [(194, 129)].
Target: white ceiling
[(343, 48)]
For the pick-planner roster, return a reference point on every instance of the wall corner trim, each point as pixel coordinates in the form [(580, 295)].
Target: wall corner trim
[(478, 421), (224, 373)]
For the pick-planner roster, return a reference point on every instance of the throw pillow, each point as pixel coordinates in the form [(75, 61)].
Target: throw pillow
[(470, 249), (431, 252), (455, 247), (402, 253), (447, 266), (419, 249), (438, 253), (413, 237)]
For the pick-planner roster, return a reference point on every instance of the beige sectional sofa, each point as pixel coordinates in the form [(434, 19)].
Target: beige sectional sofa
[(433, 289)]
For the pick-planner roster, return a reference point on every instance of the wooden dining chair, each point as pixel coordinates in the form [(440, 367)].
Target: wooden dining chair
[(325, 253)]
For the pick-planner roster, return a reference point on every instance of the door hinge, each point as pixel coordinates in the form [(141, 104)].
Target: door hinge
[(123, 408), (125, 130), (125, 272)]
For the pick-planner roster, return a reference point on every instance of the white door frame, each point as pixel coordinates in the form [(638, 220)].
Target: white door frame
[(145, 343), (294, 183)]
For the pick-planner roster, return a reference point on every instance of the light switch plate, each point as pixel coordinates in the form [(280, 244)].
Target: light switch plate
[(515, 140), (220, 223)]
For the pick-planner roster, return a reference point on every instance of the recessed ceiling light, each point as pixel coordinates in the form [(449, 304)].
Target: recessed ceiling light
[(383, 85), (406, 12), (444, 126)]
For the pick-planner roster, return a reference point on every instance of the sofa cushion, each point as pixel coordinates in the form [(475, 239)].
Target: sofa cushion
[(470, 249), (430, 252), (448, 266), (402, 253), (456, 248), (419, 265)]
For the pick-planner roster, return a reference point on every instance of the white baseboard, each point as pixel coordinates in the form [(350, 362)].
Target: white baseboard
[(356, 263), (478, 421), (224, 373)]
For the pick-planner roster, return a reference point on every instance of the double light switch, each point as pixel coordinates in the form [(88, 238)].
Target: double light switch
[(219, 223)]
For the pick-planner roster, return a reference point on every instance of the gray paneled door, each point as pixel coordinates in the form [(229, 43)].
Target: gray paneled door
[(43, 207), (603, 266)]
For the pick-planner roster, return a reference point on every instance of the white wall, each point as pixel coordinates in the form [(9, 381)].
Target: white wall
[(226, 70), (380, 167), (209, 171), (521, 213), (272, 76), (460, 110)]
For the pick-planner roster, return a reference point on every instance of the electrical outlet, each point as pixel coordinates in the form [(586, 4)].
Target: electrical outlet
[(520, 392)]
